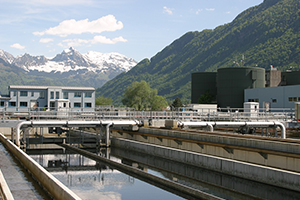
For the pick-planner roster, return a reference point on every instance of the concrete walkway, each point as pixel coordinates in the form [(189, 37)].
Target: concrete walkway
[(22, 185)]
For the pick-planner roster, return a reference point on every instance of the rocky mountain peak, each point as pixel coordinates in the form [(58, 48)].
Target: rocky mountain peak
[(71, 60), (7, 57)]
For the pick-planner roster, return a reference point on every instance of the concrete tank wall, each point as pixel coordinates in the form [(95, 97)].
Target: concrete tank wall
[(231, 83), (263, 174), (47, 180)]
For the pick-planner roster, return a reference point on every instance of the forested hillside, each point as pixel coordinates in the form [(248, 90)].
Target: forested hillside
[(267, 34)]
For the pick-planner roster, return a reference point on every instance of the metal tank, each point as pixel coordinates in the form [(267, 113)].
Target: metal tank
[(203, 82), (231, 83), (291, 77)]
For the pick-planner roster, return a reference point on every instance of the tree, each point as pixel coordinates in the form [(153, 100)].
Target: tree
[(177, 103), (140, 96), (206, 98), (158, 103), (101, 101)]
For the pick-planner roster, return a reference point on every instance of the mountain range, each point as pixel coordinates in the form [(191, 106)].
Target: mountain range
[(70, 68), (263, 35)]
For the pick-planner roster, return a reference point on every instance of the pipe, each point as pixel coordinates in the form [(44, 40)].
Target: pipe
[(206, 124), (108, 134), (281, 125), (212, 124), (67, 123)]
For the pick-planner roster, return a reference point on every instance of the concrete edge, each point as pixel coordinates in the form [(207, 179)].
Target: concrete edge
[(4, 188), (55, 188), (263, 174)]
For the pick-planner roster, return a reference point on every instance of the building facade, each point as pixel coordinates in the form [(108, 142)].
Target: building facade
[(26, 98), (274, 97)]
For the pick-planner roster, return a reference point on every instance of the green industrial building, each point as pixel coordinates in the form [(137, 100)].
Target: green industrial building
[(227, 84)]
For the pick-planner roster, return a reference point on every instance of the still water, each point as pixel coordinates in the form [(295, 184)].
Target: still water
[(92, 180)]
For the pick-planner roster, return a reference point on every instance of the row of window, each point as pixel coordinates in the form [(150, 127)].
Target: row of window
[(25, 94), (291, 99), (65, 94), (25, 104), (257, 100)]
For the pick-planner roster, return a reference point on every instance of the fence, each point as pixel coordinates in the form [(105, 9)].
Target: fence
[(221, 114)]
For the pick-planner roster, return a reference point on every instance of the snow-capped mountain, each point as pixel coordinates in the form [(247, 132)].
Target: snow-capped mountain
[(7, 57), (71, 60)]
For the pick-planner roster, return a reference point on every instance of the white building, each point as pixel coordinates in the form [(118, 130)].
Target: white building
[(26, 98)]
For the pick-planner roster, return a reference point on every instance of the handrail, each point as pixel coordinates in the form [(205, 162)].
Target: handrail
[(210, 115)]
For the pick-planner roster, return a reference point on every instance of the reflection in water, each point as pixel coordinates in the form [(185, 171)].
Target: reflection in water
[(90, 179), (93, 180), (218, 184)]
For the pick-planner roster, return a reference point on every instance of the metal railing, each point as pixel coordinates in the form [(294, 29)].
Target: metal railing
[(219, 114)]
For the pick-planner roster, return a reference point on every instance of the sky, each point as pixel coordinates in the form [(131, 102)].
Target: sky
[(135, 28)]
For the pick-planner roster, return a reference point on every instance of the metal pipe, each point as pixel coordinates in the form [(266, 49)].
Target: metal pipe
[(108, 134), (195, 124), (59, 122), (212, 124)]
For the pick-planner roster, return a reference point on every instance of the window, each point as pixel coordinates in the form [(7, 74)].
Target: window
[(23, 93), (52, 105), (253, 100), (274, 100), (42, 95), (77, 105), (15, 93), (12, 104), (77, 94), (291, 99), (23, 104), (51, 95), (2, 104), (66, 95), (88, 105), (57, 95), (88, 94), (32, 94)]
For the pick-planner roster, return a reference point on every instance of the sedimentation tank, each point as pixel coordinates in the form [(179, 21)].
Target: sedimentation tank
[(203, 82), (231, 83)]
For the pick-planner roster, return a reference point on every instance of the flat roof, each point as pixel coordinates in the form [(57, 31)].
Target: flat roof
[(48, 87)]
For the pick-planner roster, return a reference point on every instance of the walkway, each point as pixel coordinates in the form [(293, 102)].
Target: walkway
[(22, 185)]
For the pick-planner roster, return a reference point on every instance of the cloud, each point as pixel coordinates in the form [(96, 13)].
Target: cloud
[(168, 10), (72, 42), (17, 46), (209, 9), (104, 40), (68, 27), (46, 40), (198, 11), (96, 39)]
